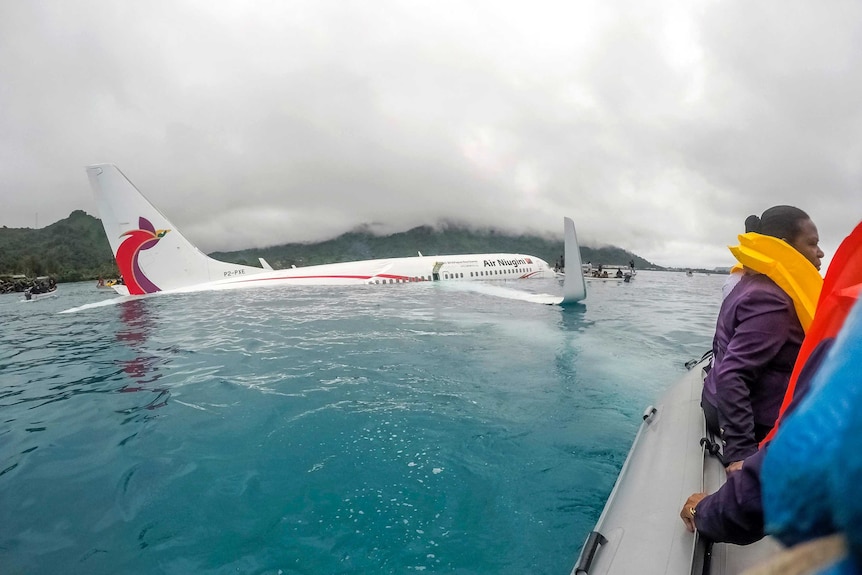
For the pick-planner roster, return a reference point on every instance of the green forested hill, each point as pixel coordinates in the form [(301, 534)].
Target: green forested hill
[(71, 249), (360, 245), (76, 248)]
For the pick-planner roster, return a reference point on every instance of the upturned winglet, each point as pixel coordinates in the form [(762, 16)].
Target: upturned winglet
[(784, 265), (574, 286)]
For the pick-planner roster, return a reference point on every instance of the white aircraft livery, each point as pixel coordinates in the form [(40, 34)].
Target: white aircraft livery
[(153, 256)]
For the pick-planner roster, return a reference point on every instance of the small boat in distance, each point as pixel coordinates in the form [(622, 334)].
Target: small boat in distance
[(108, 287), (43, 287), (609, 272), (107, 284)]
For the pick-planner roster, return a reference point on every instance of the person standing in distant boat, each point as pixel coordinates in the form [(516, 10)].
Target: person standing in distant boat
[(757, 339)]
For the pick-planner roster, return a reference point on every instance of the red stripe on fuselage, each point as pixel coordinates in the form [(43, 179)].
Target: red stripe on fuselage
[(357, 277), (304, 278)]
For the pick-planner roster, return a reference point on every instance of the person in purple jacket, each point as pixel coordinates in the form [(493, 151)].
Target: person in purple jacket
[(757, 339), (734, 513)]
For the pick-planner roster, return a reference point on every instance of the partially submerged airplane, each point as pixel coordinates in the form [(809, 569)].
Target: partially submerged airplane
[(153, 256)]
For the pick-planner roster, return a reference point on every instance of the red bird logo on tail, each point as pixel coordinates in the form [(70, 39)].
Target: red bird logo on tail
[(127, 256)]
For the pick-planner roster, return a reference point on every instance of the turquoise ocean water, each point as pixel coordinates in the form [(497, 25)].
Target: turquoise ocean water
[(386, 429)]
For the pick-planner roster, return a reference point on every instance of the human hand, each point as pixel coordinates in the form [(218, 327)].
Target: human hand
[(688, 510), (734, 467)]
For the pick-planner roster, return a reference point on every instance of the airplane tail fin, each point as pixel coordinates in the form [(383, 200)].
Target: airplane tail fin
[(152, 255), (574, 286)]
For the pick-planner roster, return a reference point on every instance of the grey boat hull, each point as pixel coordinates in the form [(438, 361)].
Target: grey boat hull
[(639, 530)]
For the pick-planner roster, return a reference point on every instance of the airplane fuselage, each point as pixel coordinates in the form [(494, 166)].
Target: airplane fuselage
[(463, 267)]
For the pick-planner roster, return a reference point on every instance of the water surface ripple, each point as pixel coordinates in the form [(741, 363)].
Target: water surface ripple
[(325, 430)]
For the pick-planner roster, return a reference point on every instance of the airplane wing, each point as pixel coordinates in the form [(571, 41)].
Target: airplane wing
[(574, 286)]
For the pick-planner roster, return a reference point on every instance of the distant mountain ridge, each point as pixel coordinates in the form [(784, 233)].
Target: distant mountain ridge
[(450, 239), (75, 248)]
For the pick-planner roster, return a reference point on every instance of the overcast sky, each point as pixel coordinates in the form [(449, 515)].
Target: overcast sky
[(657, 126)]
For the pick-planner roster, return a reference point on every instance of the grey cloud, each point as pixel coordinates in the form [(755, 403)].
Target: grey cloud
[(657, 128)]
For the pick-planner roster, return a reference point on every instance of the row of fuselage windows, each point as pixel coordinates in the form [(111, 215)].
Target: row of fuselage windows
[(453, 276), (484, 273)]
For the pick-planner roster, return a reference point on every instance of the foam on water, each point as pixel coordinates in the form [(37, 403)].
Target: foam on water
[(385, 429)]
